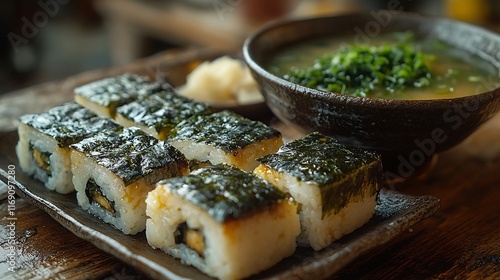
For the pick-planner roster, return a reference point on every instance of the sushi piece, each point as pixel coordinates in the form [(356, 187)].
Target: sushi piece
[(335, 185), (226, 222), (104, 96), (113, 173), (43, 148), (157, 114), (225, 137)]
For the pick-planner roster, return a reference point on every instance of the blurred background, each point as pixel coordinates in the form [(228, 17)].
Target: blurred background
[(48, 40)]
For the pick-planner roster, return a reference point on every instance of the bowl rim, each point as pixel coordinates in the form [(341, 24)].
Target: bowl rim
[(443, 103)]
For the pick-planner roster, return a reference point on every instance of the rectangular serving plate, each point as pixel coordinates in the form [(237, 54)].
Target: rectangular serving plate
[(395, 213)]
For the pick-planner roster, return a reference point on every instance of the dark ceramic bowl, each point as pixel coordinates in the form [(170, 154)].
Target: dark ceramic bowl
[(384, 125)]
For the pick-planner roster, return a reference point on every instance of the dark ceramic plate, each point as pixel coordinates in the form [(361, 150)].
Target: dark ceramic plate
[(394, 214)]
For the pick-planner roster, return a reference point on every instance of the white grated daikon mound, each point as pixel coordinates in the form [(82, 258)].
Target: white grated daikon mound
[(224, 81)]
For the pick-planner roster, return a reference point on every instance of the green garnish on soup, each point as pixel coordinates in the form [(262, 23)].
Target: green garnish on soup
[(360, 70)]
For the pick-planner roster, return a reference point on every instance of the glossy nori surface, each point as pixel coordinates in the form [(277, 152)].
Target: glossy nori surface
[(132, 154), (224, 130), (162, 110), (115, 91), (225, 192), (341, 172), (367, 180), (69, 123), (319, 159), (395, 214)]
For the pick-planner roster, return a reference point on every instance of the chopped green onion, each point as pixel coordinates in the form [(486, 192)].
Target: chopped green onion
[(359, 70)]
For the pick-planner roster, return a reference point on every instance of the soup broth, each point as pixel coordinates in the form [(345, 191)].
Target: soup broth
[(454, 72)]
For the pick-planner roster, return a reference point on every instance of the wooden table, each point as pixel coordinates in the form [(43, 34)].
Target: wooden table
[(460, 241)]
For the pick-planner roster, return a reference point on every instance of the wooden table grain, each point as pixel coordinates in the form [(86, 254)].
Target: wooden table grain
[(460, 241)]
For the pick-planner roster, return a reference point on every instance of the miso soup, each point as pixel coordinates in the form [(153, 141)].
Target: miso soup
[(453, 72)]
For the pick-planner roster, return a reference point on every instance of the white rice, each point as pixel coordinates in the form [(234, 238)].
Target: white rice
[(129, 204), (123, 121), (244, 158), (233, 250), (103, 111), (60, 163), (319, 231)]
